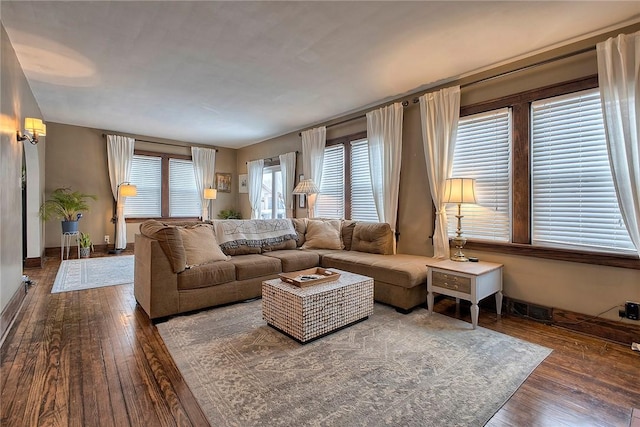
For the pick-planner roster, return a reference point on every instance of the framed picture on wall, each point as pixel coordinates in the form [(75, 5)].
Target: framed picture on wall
[(223, 182), (243, 183)]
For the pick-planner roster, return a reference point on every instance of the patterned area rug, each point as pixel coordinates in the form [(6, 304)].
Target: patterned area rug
[(390, 370), (87, 273)]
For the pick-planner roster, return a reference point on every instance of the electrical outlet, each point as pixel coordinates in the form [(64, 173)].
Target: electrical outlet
[(632, 310), (106, 239)]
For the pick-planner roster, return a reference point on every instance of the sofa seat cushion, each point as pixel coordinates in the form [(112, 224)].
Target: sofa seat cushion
[(402, 270), (294, 260), (252, 266), (205, 275)]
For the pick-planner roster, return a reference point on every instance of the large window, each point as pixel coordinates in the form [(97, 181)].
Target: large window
[(271, 199), (184, 200), (330, 202), (146, 174), (345, 191), (483, 152), (574, 202), (166, 187), (562, 200), (363, 206)]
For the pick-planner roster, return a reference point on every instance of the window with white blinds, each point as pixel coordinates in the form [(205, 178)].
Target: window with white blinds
[(483, 152), (574, 203), (271, 198), (330, 201), (363, 207), (146, 175), (184, 200)]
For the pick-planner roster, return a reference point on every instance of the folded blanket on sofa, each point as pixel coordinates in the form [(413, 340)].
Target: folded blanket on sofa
[(232, 233)]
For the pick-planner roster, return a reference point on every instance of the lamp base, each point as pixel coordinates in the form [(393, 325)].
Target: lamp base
[(459, 243), (115, 251), (459, 256)]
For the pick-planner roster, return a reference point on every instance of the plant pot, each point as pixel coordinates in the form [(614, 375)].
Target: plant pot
[(69, 226), (85, 252)]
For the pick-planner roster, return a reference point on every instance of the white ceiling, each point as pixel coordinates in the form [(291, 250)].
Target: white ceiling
[(234, 73)]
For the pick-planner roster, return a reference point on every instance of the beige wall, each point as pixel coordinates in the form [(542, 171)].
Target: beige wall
[(583, 288), (17, 102), (77, 158)]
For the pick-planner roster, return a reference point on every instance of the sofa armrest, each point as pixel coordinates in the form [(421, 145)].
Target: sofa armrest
[(155, 283)]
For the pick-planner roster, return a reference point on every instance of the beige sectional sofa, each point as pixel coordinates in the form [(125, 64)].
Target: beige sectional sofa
[(180, 267)]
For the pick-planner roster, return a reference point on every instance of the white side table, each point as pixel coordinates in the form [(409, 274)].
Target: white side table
[(65, 242), (471, 281)]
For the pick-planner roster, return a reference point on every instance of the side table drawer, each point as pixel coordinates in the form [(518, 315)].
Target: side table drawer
[(451, 281)]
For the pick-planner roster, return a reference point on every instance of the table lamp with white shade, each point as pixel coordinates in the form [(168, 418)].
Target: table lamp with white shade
[(309, 189), (459, 191)]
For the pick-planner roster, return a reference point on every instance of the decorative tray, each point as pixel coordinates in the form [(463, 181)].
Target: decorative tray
[(309, 277)]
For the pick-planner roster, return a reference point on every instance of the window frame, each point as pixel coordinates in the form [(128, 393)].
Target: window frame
[(164, 195), (521, 180), (272, 168), (346, 141)]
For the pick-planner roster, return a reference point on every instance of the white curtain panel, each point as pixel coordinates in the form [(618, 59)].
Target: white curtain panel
[(618, 75), (288, 170), (439, 114), (119, 158), (204, 169), (313, 143), (384, 133), (254, 169)]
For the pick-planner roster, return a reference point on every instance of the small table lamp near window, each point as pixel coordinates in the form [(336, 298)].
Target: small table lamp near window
[(460, 190), (308, 188)]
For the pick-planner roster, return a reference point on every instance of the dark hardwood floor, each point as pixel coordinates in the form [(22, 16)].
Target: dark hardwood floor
[(92, 358)]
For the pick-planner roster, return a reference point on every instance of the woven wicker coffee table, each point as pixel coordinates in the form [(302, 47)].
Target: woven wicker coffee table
[(311, 312)]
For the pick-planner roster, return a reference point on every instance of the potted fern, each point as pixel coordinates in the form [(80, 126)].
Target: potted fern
[(229, 214), (86, 245), (66, 205)]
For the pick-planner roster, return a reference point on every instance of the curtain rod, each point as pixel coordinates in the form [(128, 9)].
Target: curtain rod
[(268, 158), (173, 145), (416, 99), (517, 70)]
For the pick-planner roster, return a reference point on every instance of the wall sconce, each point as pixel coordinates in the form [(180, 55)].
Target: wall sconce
[(33, 127)]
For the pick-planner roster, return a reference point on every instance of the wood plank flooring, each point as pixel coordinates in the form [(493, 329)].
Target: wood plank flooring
[(92, 358)]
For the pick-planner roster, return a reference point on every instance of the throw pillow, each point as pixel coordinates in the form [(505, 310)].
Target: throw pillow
[(300, 225), (373, 237), (200, 245), (347, 233), (287, 244), (170, 241), (323, 235), (242, 250)]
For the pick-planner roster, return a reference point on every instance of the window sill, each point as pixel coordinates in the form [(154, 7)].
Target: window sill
[(611, 260)]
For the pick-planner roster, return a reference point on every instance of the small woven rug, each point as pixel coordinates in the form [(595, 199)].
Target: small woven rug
[(389, 370), (88, 273)]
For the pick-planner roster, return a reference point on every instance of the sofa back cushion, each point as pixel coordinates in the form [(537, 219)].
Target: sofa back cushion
[(323, 234), (170, 241), (200, 245), (300, 225), (372, 237), (347, 233)]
